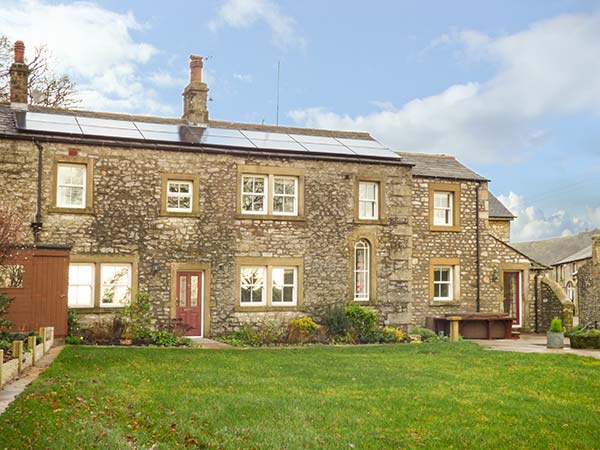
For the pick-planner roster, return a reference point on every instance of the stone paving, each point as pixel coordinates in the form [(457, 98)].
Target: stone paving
[(209, 343), (14, 388), (532, 343)]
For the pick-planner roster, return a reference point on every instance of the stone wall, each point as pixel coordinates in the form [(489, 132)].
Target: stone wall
[(500, 229), (551, 306), (588, 285), (126, 220)]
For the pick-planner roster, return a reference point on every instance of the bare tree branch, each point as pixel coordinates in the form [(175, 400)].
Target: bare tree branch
[(11, 229)]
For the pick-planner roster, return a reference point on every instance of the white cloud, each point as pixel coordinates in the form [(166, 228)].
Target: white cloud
[(532, 223), (242, 14), (548, 70), (165, 79), (246, 78), (91, 44)]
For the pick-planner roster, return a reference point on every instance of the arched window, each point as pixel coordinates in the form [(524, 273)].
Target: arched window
[(362, 269), (570, 291)]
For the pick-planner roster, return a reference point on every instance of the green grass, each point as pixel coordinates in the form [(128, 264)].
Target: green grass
[(396, 396)]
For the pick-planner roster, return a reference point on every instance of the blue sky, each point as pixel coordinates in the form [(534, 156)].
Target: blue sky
[(511, 88)]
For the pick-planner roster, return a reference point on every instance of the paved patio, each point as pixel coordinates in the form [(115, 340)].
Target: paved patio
[(532, 343)]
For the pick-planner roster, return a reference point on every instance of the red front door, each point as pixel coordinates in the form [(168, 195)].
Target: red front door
[(189, 301), (512, 296)]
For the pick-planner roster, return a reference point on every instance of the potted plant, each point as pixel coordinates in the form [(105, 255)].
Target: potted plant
[(556, 335)]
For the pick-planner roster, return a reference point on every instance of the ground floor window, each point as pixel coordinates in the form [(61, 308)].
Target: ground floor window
[(443, 283), (444, 280), (269, 282), (101, 281)]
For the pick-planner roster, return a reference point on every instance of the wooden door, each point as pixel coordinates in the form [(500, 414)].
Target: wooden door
[(512, 296), (189, 301)]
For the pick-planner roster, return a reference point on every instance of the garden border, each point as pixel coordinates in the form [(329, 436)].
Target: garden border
[(25, 356)]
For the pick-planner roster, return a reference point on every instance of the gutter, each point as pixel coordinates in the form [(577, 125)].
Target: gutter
[(478, 251)]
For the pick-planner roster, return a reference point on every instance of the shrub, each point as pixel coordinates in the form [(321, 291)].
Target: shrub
[(361, 321), (137, 319), (5, 302), (397, 333), (302, 329), (164, 339), (245, 336), (556, 326), (104, 332), (337, 320), (74, 340), (73, 327), (585, 339), (424, 333), (174, 326)]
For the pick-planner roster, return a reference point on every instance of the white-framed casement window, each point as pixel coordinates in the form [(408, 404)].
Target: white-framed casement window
[(254, 194), (368, 200), (443, 208), (115, 284), (285, 195), (269, 286), (71, 185), (81, 285), (362, 269), (180, 195), (253, 282), (284, 285), (443, 283)]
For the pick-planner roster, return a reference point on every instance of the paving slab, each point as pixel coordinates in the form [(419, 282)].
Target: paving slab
[(18, 385), (533, 343), (209, 343)]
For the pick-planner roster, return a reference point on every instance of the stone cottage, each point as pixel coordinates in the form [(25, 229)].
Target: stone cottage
[(224, 224)]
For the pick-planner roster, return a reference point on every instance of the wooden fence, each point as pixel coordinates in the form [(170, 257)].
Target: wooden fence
[(25, 355)]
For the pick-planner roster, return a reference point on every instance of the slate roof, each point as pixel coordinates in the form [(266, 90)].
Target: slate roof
[(439, 166), (550, 251), (497, 209), (585, 253)]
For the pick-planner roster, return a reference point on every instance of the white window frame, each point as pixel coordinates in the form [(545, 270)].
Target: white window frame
[(180, 195), (83, 186), (294, 285), (449, 211), (265, 194), (372, 202), (92, 286), (129, 286), (294, 196), (242, 285), (449, 283), (362, 245)]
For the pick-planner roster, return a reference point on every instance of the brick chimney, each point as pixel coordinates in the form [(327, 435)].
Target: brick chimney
[(195, 95), (19, 77)]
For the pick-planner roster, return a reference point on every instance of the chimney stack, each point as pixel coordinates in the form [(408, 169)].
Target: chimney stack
[(195, 95), (19, 78)]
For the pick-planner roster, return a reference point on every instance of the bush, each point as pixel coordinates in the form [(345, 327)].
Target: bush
[(164, 339), (244, 336), (73, 327), (105, 332), (337, 320), (556, 326), (5, 302), (361, 321), (585, 339), (137, 319), (74, 340), (424, 333), (396, 333), (302, 329)]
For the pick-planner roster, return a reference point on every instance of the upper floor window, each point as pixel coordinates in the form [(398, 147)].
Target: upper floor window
[(179, 196), (271, 192), (368, 200), (71, 185), (362, 270), (442, 208)]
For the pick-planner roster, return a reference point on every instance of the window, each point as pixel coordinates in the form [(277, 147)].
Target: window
[(81, 285), (274, 193), (444, 206), (368, 200), (285, 195), (71, 185), (270, 282), (442, 283), (570, 291), (99, 281), (254, 194), (253, 280), (115, 284), (362, 263), (179, 196)]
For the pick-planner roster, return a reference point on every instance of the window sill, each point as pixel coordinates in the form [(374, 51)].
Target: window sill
[(96, 309), (57, 210), (370, 302), (444, 303), (268, 308), (370, 221), (453, 228), (281, 218), (190, 215)]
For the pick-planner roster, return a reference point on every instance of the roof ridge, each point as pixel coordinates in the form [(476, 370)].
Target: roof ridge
[(430, 155)]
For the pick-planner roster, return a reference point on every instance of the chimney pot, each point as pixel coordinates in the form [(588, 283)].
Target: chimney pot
[(195, 94), (195, 68), (20, 52)]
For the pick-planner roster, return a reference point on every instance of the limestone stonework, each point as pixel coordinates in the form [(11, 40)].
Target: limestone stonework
[(500, 229), (588, 284), (126, 220)]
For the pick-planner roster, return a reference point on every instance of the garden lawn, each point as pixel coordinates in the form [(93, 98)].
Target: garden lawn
[(372, 397)]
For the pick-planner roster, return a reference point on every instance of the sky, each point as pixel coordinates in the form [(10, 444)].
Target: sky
[(511, 88)]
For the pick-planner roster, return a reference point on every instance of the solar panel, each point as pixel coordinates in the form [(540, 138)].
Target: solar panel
[(183, 133)]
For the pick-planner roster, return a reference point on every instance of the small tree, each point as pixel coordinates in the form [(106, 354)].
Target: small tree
[(45, 87)]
